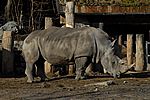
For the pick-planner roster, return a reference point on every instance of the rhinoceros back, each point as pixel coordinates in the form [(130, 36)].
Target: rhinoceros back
[(65, 44)]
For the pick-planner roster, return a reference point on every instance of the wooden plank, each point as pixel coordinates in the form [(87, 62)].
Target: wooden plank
[(7, 53)]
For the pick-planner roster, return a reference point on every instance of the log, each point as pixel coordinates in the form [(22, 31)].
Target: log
[(71, 70), (139, 52), (48, 22), (48, 67), (101, 25), (129, 49), (120, 45), (69, 14), (120, 40), (105, 83), (7, 53)]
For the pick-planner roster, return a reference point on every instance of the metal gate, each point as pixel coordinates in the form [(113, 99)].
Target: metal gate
[(147, 52)]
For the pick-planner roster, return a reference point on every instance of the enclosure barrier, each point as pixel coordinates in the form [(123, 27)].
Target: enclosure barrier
[(47, 66), (148, 55), (7, 53), (139, 52)]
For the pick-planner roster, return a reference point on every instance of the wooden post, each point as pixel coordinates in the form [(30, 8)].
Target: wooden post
[(129, 49), (149, 36), (7, 53), (119, 51), (101, 25), (69, 14), (48, 68), (48, 22), (120, 40), (71, 69), (147, 55), (139, 52)]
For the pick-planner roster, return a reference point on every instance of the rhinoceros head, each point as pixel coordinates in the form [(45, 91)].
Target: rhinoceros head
[(10, 26), (112, 64)]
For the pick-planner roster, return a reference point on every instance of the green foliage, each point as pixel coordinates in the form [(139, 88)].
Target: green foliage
[(113, 2)]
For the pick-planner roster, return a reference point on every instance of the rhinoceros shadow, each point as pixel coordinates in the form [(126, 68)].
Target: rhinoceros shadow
[(128, 75), (136, 75)]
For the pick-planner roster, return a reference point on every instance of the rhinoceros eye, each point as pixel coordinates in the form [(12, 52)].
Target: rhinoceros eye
[(113, 62)]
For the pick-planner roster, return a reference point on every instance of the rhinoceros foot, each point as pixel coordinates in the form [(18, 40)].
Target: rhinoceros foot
[(30, 81), (79, 77), (45, 79)]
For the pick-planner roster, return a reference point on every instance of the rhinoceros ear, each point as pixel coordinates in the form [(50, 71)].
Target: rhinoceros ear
[(113, 43), (2, 28)]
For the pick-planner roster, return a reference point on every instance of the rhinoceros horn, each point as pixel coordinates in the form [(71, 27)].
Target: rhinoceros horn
[(124, 69)]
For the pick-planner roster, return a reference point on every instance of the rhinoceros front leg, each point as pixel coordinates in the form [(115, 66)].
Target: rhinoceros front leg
[(81, 64), (28, 72)]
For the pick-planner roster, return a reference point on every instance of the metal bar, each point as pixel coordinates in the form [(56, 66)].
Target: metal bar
[(147, 55)]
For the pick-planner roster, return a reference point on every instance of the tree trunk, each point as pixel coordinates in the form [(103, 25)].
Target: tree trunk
[(8, 10)]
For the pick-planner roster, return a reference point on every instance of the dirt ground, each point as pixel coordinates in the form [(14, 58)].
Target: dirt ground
[(129, 87)]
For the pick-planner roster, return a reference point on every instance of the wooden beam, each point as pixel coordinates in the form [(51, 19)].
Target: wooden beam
[(139, 52)]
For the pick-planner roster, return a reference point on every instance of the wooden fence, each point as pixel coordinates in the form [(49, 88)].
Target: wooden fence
[(140, 62)]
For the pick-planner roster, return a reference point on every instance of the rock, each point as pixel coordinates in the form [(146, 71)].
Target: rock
[(125, 82)]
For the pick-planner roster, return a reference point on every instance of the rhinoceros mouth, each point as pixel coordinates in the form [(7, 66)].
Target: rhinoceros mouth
[(117, 75)]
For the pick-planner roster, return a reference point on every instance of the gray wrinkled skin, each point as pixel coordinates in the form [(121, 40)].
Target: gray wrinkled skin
[(61, 45), (9, 26)]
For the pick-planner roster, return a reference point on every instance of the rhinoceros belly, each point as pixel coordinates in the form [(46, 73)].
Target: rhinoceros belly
[(56, 59)]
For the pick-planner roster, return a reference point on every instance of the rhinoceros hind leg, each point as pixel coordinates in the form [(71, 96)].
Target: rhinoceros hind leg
[(28, 72), (40, 70), (81, 64)]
